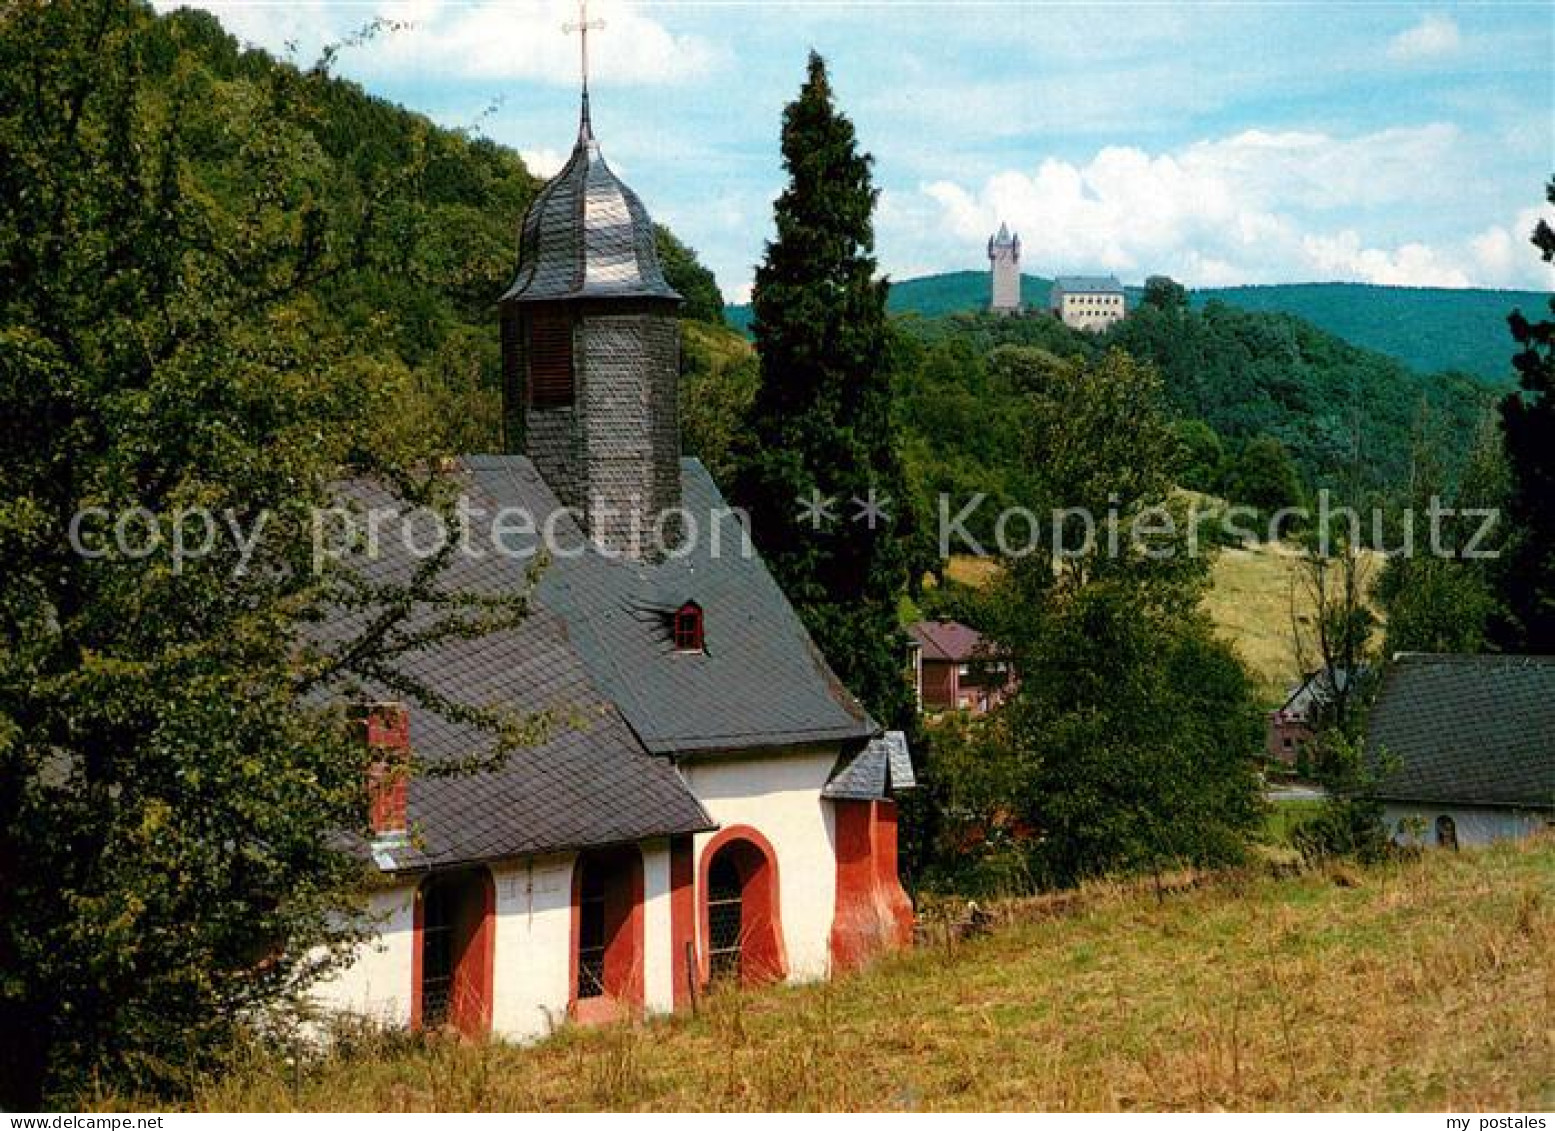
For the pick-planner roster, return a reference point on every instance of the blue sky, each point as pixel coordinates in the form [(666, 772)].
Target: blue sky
[(1218, 143)]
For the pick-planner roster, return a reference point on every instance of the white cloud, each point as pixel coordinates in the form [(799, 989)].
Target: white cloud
[(1504, 255), (475, 40), (1254, 207), (1410, 265), (1434, 36), (299, 30), (543, 162)]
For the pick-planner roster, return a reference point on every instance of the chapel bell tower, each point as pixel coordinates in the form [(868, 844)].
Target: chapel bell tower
[(591, 351)]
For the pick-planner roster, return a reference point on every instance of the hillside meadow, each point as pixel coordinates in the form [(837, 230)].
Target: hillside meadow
[(1253, 595), (1425, 983)]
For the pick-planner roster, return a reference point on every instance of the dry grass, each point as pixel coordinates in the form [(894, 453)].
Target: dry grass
[(1250, 602), (973, 571), (1427, 984)]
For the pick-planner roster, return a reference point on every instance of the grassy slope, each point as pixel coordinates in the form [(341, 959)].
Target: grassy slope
[(1250, 602), (1428, 329), (1425, 984)]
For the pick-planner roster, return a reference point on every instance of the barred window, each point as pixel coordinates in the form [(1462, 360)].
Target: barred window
[(725, 917), (550, 360), (591, 933)]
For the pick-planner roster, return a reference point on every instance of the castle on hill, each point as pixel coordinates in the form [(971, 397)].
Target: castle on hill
[(1081, 302)]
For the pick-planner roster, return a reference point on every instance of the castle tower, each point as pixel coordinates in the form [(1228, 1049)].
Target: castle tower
[(591, 353), (1004, 255)]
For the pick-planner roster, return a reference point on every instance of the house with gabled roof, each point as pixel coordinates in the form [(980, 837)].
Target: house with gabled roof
[(1468, 743), (1292, 725), (702, 797), (956, 668)]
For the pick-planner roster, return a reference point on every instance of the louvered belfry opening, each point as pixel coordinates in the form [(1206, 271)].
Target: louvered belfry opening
[(591, 354), (550, 378)]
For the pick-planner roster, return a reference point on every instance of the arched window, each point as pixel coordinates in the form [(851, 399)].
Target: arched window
[(741, 922), (688, 627), (1446, 832)]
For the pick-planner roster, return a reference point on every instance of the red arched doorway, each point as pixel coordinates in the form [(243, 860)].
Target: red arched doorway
[(451, 966), (742, 921), (607, 934)]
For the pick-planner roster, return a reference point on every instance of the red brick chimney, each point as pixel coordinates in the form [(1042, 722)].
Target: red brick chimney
[(388, 737)]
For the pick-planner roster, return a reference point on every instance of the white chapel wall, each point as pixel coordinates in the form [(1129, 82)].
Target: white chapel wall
[(532, 964), (376, 985), (658, 942), (1474, 825), (780, 797)]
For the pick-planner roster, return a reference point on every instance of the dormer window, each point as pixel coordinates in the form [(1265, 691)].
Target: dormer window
[(688, 627)]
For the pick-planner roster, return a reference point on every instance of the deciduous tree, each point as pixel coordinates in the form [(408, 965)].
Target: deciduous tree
[(178, 781)]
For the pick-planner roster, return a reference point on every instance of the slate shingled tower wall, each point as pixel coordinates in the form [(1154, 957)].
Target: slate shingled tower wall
[(591, 353)]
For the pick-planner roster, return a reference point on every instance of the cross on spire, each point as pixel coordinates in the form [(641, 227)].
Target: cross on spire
[(583, 27)]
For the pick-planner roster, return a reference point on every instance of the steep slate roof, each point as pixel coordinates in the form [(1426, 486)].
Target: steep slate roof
[(586, 235), (596, 651), (590, 782), (1468, 730), (760, 681), (1088, 284), (875, 772), (948, 640), (1316, 690)]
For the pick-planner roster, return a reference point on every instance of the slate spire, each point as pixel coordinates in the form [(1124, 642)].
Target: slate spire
[(591, 351)]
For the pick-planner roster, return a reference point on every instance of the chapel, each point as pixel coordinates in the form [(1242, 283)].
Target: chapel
[(706, 801)]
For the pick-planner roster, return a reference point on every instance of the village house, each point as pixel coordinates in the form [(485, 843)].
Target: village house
[(954, 668), (1474, 742), (1085, 302), (706, 800), (1291, 725)]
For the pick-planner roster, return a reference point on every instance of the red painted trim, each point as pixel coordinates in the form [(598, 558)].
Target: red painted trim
[(888, 875), (682, 918), (624, 950), (763, 954), (688, 628), (474, 974), (872, 911), (476, 968), (853, 918)]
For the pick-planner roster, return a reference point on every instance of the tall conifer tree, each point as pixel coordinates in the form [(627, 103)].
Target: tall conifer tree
[(1528, 418), (820, 440)]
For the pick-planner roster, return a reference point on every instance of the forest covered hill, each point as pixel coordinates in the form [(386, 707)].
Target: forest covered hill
[(414, 279), (1426, 328), (418, 222)]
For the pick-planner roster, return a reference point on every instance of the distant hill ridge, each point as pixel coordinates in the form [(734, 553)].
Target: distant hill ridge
[(1429, 329)]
